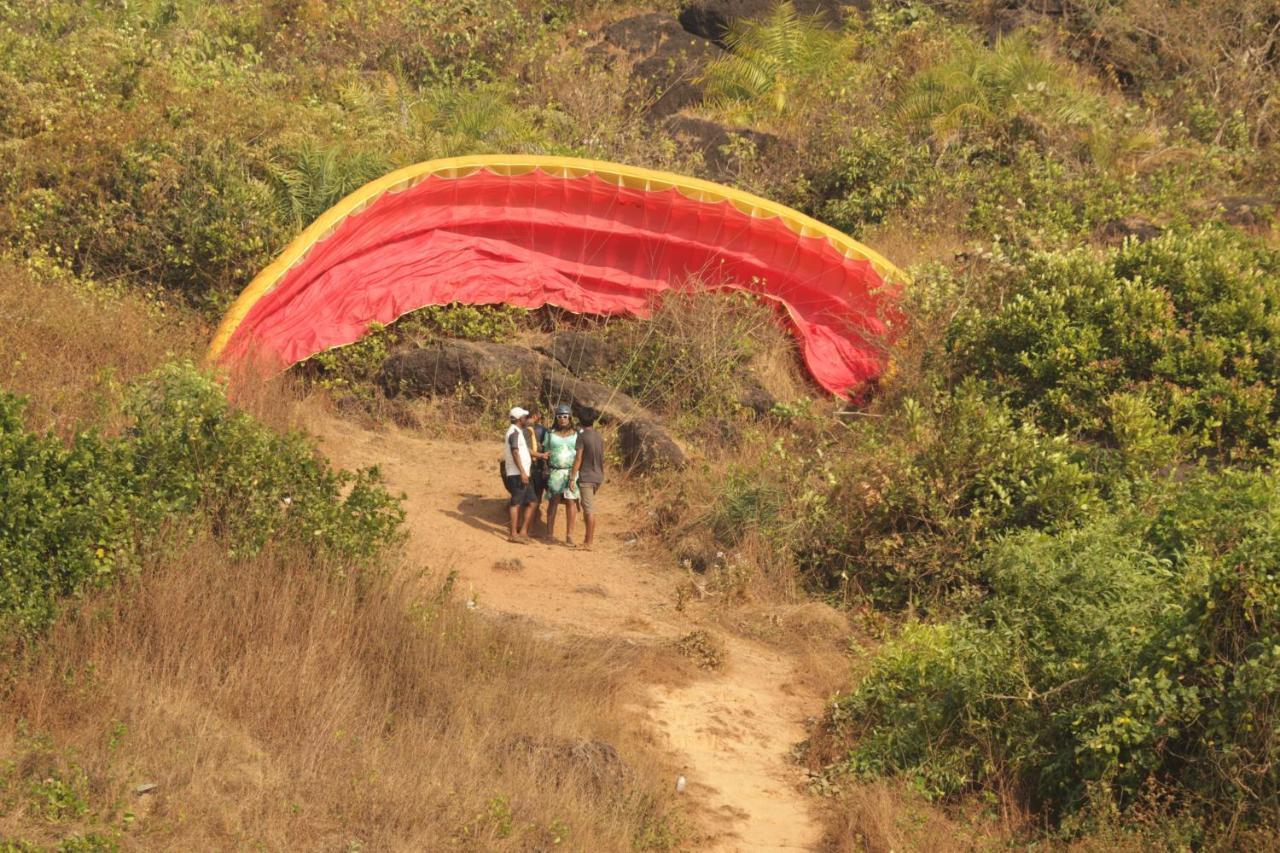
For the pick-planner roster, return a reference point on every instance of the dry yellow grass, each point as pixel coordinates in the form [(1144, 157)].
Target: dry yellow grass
[(275, 706), (881, 817), (70, 347), (272, 704)]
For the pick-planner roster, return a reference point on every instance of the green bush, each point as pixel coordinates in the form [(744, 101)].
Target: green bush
[(874, 173), (920, 495), (1000, 94), (79, 515), (66, 520), (184, 144), (1188, 321), (1139, 653), (192, 451), (1032, 198)]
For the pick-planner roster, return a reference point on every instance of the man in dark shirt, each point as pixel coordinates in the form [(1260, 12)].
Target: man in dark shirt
[(536, 434), (588, 470)]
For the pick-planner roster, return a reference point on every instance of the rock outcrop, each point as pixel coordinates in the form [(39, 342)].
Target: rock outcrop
[(481, 370), (646, 446), (1247, 211), (710, 19), (716, 141), (755, 397), (666, 60), (472, 366), (444, 368), (582, 353), (591, 401)]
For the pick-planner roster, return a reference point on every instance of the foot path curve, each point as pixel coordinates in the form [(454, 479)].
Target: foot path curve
[(732, 731)]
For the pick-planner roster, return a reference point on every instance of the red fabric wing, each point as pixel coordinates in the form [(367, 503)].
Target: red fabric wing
[(580, 243)]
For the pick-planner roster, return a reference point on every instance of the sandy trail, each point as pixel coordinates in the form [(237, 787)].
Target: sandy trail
[(731, 731)]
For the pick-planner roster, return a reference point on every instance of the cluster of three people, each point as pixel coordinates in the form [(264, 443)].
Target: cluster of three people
[(564, 462)]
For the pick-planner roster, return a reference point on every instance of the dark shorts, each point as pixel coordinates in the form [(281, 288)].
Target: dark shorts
[(521, 493), (539, 482)]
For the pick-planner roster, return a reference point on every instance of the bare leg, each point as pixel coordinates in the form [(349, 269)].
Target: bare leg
[(571, 514), (514, 512), (552, 505), (528, 518), (589, 521)]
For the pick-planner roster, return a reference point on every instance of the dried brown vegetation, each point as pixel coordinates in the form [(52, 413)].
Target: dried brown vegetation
[(275, 701), (273, 704), (70, 345)]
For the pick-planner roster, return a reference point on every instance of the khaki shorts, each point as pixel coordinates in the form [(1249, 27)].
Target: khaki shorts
[(587, 496)]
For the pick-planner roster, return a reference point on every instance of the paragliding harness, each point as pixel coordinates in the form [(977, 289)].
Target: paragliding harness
[(538, 473)]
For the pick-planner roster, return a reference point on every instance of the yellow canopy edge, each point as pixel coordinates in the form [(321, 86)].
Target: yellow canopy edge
[(514, 164)]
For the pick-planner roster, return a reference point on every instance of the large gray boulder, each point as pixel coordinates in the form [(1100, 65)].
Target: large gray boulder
[(667, 61), (716, 142), (1247, 211), (479, 370), (591, 401), (584, 353), (754, 397), (1139, 228), (646, 447), (444, 367)]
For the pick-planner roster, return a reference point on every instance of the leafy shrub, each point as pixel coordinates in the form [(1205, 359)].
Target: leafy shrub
[(66, 519), (78, 515), (1211, 64), (771, 60), (452, 39), (1140, 652), (1188, 321), (1035, 198), (874, 173), (1009, 91), (182, 144), (192, 451), (920, 496)]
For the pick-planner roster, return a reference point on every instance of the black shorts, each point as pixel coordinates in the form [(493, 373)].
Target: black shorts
[(521, 493), (539, 482)]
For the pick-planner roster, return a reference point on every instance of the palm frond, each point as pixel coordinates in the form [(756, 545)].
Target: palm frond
[(768, 57), (312, 178)]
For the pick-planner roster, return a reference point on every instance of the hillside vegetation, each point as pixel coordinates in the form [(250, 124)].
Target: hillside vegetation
[(1053, 522)]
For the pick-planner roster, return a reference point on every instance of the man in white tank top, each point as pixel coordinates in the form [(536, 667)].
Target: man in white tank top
[(516, 464)]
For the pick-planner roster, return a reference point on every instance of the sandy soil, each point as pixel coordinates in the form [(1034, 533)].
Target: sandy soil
[(730, 731)]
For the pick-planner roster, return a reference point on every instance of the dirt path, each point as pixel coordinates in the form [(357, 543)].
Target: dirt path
[(731, 731)]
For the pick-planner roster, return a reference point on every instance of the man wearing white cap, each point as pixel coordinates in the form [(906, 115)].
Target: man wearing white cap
[(516, 462)]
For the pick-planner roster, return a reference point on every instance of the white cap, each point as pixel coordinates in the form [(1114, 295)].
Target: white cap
[(518, 413)]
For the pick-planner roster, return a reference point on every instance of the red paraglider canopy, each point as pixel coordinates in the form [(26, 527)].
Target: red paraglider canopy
[(589, 237)]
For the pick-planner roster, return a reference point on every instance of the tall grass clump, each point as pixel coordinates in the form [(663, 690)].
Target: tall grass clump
[(72, 347), (269, 701), (690, 360)]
